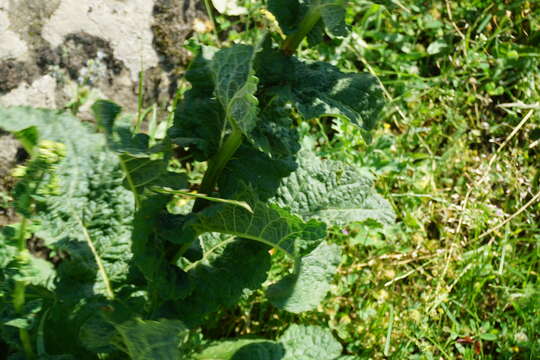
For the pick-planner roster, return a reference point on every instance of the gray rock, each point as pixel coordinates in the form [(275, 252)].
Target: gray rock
[(51, 50)]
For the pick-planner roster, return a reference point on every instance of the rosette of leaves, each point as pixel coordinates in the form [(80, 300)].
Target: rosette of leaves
[(136, 279), (240, 114)]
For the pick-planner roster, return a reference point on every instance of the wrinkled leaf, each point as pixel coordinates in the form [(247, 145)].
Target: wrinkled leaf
[(229, 267), (151, 340), (140, 169), (90, 203), (307, 287), (98, 335), (333, 192), (242, 349), (235, 85), (333, 16), (199, 118), (269, 225), (257, 169), (290, 13), (118, 130), (309, 343), (165, 280), (319, 89)]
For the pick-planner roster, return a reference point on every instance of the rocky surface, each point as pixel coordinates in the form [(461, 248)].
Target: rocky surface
[(51, 50)]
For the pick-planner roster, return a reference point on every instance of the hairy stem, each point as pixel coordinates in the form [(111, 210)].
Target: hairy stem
[(216, 166), (210, 14), (292, 41), (19, 296)]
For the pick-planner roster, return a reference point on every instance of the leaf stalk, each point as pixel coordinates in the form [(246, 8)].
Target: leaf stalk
[(216, 166), (291, 43)]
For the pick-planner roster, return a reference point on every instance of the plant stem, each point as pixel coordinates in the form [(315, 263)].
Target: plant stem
[(19, 291), (210, 14), (292, 41), (130, 182), (216, 166), (140, 96)]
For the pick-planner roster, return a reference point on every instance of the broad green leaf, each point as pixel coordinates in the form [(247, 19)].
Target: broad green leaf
[(333, 192), (228, 268), (297, 343), (333, 16), (319, 89), (276, 134), (289, 14), (118, 130), (152, 340), (34, 271), (8, 245), (199, 73), (140, 169), (143, 172), (258, 170), (242, 349), (165, 281), (269, 225), (221, 97), (92, 223), (26, 318), (309, 343), (98, 335), (89, 217), (199, 118), (28, 138), (106, 112), (235, 85), (65, 320), (307, 287)]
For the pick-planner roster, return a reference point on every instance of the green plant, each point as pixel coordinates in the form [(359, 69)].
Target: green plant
[(441, 129), (136, 274)]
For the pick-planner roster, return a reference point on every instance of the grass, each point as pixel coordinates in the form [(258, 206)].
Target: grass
[(457, 153)]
